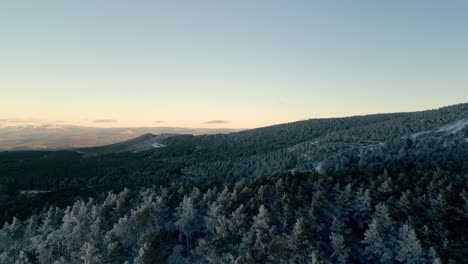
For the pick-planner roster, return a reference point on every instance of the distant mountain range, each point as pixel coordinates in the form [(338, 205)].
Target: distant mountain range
[(55, 137)]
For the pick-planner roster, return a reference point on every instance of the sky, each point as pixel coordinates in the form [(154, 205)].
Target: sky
[(238, 64)]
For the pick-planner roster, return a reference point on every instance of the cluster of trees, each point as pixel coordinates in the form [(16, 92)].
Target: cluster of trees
[(304, 192), (302, 218), (374, 141)]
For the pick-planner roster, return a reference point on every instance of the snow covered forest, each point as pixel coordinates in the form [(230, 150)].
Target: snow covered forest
[(403, 218), (388, 188)]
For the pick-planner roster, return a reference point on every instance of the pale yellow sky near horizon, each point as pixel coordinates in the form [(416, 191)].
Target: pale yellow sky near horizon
[(242, 121)]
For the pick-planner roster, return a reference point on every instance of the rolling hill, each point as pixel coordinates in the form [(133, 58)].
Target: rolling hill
[(422, 139), (360, 189)]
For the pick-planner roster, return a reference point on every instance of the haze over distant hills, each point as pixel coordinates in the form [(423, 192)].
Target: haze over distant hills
[(52, 136)]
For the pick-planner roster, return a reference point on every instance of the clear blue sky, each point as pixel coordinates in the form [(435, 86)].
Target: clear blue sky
[(240, 63)]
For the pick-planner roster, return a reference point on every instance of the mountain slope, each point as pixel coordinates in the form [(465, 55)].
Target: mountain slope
[(329, 144), (406, 172), (371, 142)]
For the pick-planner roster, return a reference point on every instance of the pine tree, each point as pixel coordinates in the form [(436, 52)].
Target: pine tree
[(340, 251), (378, 237), (314, 258), (186, 219), (405, 203), (298, 241), (376, 249), (316, 219), (238, 223), (263, 232), (90, 254), (409, 247), (363, 209), (24, 258), (177, 256)]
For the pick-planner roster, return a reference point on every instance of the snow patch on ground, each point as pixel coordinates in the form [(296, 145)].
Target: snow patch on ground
[(454, 127), (318, 167), (415, 135), (32, 192), (451, 128), (157, 145), (466, 140), (291, 149)]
